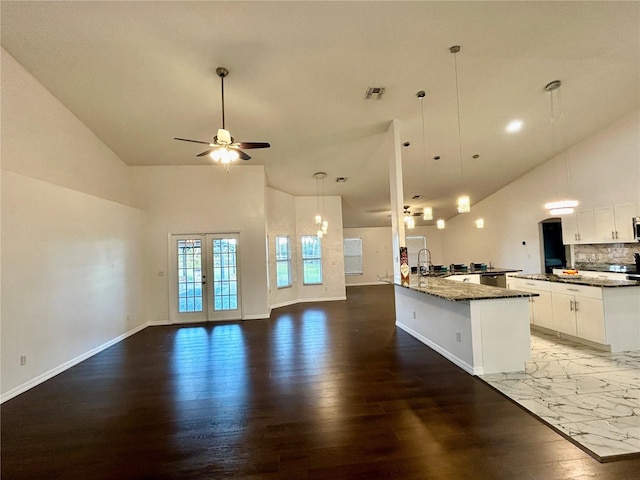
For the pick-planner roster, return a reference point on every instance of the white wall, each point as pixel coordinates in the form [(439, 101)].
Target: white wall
[(72, 254), (377, 251), (203, 199), (605, 170), (281, 220), (333, 284)]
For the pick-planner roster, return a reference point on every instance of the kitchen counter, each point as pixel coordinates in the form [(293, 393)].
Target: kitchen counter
[(591, 282), (480, 328), (461, 292)]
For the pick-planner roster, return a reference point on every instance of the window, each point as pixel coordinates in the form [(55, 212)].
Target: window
[(311, 260), (283, 262), (353, 256)]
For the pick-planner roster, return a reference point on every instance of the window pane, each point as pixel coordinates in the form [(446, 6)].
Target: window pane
[(312, 272), (353, 256)]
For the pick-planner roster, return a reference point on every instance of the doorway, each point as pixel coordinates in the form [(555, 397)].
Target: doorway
[(555, 254), (205, 278)]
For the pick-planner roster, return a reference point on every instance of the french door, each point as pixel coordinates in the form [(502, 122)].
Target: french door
[(205, 277)]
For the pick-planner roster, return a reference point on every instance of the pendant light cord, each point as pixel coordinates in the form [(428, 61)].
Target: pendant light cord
[(455, 63)]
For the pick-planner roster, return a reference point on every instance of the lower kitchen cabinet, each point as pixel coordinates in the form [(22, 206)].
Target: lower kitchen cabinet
[(540, 311), (578, 310)]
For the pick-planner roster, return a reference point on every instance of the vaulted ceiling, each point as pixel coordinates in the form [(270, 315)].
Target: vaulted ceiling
[(140, 73)]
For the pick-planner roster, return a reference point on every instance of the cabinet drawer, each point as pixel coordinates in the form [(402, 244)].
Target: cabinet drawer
[(576, 290), (527, 285)]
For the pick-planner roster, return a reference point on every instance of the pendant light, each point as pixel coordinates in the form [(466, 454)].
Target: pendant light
[(464, 202), (409, 221), (322, 225), (427, 213), (563, 206)]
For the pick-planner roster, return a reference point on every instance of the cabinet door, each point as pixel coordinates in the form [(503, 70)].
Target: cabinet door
[(590, 319), (586, 225), (564, 315), (624, 214), (605, 225), (569, 229), (542, 310)]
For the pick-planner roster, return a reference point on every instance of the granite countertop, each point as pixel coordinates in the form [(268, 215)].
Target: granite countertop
[(461, 291), (591, 282)]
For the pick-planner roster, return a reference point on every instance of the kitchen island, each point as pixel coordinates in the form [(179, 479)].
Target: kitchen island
[(480, 328)]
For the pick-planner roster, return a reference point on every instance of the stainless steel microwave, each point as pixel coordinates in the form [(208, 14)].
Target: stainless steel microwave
[(636, 228)]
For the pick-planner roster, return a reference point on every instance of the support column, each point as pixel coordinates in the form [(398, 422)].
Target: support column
[(397, 201)]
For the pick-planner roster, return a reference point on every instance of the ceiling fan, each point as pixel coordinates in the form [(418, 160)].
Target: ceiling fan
[(224, 148)]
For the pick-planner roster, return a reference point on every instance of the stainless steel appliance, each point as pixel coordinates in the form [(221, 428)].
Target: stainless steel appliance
[(493, 279), (633, 276), (636, 228)]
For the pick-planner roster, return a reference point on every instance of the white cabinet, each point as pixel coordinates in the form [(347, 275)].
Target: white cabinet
[(471, 278), (540, 311), (606, 224), (578, 310), (579, 227)]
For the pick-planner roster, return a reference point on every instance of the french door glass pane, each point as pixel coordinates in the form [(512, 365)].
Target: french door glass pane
[(189, 276), (225, 294)]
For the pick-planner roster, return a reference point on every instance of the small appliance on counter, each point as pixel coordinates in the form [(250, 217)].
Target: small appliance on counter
[(458, 267), (636, 228), (478, 267), (437, 269)]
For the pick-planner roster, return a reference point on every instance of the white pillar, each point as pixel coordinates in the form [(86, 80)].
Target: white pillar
[(397, 195)]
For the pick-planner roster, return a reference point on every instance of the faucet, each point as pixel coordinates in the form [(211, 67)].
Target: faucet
[(426, 263)]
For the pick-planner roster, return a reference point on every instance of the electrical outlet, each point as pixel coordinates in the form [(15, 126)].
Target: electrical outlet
[(23, 359), (458, 336), (128, 317), (414, 315)]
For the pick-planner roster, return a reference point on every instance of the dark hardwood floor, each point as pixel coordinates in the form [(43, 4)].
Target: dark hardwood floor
[(320, 391)]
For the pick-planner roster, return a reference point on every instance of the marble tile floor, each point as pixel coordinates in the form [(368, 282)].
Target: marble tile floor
[(589, 396)]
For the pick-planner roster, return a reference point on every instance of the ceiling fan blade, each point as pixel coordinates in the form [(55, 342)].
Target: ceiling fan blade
[(206, 152), (193, 141), (242, 154), (253, 145)]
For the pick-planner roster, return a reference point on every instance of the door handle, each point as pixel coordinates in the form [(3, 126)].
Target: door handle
[(571, 305), (575, 305)]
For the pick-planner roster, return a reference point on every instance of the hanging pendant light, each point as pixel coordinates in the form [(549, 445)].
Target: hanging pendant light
[(427, 213), (563, 206), (464, 202), (322, 225)]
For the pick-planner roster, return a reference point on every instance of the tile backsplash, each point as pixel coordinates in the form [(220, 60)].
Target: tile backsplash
[(605, 254)]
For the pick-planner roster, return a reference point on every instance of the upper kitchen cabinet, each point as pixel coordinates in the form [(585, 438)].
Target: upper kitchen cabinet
[(579, 227), (614, 223), (608, 224)]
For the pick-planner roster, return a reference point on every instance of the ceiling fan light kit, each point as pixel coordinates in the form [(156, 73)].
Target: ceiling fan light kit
[(224, 148)]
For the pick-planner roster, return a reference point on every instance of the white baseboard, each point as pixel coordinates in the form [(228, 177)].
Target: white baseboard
[(446, 354), (157, 323), (14, 392), (257, 316)]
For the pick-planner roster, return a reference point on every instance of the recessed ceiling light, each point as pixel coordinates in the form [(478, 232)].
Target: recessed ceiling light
[(514, 126)]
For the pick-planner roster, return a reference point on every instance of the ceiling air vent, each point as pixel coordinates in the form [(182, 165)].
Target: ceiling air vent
[(374, 93), (341, 179)]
